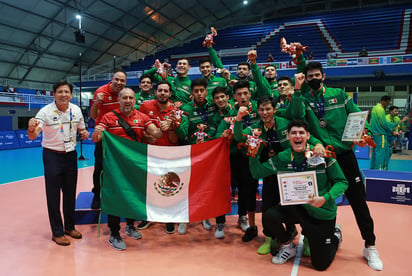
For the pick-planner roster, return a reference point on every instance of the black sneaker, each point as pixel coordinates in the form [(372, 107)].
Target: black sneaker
[(96, 202), (170, 228), (143, 224), (250, 233)]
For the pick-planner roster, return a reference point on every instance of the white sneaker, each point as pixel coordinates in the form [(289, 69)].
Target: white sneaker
[(220, 231), (242, 221), (338, 234), (206, 224), (285, 253), (371, 255), (181, 229)]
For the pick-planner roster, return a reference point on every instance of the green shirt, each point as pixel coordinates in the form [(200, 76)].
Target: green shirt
[(180, 85), (379, 124), (281, 127), (247, 121), (212, 83), (217, 118), (193, 116), (218, 64), (141, 97), (394, 119), (337, 104), (329, 176)]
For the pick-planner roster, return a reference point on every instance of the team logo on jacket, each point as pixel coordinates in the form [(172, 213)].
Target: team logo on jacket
[(169, 184), (150, 112), (332, 101)]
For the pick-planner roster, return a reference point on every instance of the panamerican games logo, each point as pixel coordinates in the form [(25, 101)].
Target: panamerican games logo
[(401, 189), (169, 184)]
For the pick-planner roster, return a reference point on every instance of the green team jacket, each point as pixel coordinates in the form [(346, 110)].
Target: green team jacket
[(271, 89), (379, 124), (212, 83), (218, 64), (216, 119), (281, 130), (191, 118), (330, 179), (180, 85), (337, 107), (248, 120), (264, 87), (141, 97)]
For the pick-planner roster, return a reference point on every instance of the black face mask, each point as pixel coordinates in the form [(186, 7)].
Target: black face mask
[(315, 84)]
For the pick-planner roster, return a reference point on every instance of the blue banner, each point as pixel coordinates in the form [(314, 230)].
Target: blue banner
[(8, 140), (24, 140), (389, 187)]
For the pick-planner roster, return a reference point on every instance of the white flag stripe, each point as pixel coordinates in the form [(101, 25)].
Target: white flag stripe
[(159, 206)]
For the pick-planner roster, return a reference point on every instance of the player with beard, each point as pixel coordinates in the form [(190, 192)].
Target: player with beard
[(161, 112), (138, 122)]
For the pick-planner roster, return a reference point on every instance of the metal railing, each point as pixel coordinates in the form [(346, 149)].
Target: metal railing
[(29, 99)]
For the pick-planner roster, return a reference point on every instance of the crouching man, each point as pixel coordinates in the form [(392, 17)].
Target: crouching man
[(317, 218)]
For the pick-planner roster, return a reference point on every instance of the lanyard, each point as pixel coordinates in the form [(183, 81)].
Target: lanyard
[(272, 138), (246, 119), (297, 168), (225, 110), (203, 115), (304, 165), (320, 106), (60, 121)]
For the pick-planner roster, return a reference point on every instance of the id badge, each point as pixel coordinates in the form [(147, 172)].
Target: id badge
[(69, 145)]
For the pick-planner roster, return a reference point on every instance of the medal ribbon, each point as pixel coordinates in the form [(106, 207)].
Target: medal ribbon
[(246, 119), (297, 168), (203, 115), (320, 105)]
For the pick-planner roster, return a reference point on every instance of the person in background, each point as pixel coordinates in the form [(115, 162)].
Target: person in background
[(382, 130)]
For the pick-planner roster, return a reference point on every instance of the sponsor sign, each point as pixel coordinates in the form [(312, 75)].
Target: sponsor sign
[(388, 186)]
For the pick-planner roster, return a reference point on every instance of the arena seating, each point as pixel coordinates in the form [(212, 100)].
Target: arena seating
[(341, 32)]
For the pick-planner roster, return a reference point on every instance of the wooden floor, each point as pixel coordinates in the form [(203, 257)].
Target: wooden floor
[(26, 247)]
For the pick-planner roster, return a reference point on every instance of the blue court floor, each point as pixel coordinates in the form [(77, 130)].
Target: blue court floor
[(19, 164)]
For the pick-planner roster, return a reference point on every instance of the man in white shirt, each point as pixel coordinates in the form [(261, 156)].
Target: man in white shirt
[(60, 122)]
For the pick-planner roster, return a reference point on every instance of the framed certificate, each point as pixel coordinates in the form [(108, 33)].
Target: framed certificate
[(297, 188), (354, 126)]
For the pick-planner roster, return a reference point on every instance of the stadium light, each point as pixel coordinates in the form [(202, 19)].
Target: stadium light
[(79, 34)]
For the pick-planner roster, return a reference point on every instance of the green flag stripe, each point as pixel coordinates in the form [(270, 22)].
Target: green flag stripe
[(124, 177)]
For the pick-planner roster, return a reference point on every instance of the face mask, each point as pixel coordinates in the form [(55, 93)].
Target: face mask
[(315, 84)]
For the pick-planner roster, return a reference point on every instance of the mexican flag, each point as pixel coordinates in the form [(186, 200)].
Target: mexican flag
[(165, 184)]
